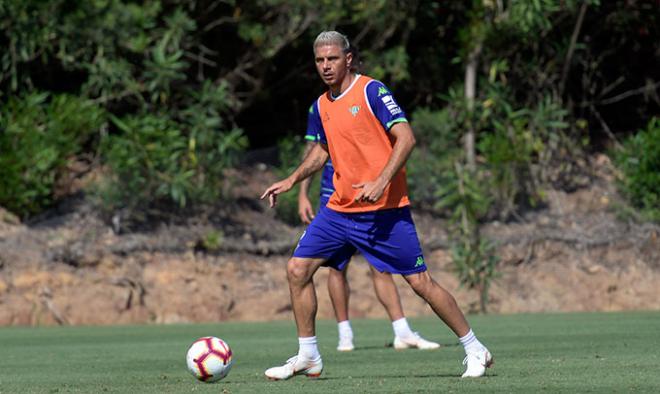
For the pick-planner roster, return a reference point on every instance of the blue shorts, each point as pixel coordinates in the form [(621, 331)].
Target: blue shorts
[(386, 238), (342, 258)]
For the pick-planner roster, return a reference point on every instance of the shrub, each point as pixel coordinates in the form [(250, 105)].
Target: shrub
[(430, 164), (40, 136), (290, 156), (639, 160), (176, 156), (153, 160)]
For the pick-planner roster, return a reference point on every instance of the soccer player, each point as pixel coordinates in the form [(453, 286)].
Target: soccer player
[(369, 210), (338, 288)]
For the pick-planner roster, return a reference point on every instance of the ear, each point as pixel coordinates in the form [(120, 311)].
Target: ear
[(349, 60)]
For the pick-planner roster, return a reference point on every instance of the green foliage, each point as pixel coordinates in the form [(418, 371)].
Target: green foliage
[(438, 146), (290, 156), (172, 138), (155, 158), (639, 160), (476, 267), (466, 196), (518, 150), (40, 135), (516, 146), (212, 240), (204, 65), (474, 258), (148, 160)]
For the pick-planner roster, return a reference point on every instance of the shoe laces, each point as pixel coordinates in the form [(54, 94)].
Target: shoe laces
[(476, 356)]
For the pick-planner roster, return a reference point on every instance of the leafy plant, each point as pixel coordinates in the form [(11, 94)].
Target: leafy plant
[(40, 135), (290, 156), (438, 141), (639, 160), (212, 240), (476, 267), (473, 257), (152, 159)]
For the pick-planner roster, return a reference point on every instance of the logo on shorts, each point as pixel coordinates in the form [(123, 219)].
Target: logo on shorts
[(419, 262), (354, 110)]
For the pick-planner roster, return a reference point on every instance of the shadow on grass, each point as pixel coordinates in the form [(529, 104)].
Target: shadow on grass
[(391, 346)]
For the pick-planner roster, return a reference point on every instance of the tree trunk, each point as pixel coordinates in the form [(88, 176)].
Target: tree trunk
[(470, 94)]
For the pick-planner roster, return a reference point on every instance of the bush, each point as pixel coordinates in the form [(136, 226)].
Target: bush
[(40, 136), (639, 160), (431, 162), (290, 156), (177, 156), (153, 160)]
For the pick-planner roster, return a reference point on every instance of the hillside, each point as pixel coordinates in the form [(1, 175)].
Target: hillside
[(71, 266)]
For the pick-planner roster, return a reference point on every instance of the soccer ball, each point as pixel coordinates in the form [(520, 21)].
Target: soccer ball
[(209, 359)]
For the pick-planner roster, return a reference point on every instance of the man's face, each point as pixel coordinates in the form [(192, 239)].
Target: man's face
[(332, 63)]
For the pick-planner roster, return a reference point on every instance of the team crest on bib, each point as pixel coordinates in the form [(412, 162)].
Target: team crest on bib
[(354, 110)]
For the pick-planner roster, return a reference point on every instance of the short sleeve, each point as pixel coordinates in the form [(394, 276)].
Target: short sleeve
[(315, 132), (383, 105)]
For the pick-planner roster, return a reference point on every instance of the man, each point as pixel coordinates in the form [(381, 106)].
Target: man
[(338, 288), (368, 210)]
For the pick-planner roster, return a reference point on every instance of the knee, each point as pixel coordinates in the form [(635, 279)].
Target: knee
[(421, 283), (298, 271)]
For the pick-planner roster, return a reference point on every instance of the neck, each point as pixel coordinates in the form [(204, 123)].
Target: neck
[(341, 87)]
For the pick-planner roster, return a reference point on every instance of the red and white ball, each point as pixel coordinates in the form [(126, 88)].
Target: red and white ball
[(209, 359)]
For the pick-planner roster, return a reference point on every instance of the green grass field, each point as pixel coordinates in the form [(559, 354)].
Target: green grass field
[(573, 353)]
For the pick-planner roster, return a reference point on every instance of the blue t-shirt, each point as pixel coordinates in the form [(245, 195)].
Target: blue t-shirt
[(383, 106)]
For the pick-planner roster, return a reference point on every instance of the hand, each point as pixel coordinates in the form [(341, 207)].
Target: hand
[(370, 191), (305, 210), (275, 189)]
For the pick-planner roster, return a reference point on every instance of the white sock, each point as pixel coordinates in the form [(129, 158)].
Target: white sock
[(308, 348), (402, 329), (470, 342), (345, 330)]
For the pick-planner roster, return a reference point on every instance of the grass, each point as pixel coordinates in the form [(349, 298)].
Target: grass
[(572, 353)]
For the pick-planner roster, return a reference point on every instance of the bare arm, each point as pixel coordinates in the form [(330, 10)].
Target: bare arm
[(312, 163), (304, 184), (305, 209), (404, 143)]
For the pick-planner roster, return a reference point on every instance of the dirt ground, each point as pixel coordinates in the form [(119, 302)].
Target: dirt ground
[(72, 267)]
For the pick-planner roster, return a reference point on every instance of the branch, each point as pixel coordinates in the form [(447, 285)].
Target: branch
[(625, 95), (571, 48), (199, 59), (605, 127), (218, 22)]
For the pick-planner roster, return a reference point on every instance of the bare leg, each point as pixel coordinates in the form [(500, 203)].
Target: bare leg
[(440, 300), (387, 293), (339, 293), (300, 273)]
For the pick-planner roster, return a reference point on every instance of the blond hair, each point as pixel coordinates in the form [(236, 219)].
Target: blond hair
[(332, 38)]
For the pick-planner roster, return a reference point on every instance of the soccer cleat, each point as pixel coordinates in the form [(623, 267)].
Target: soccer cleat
[(296, 366), (415, 341), (345, 344), (476, 363)]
